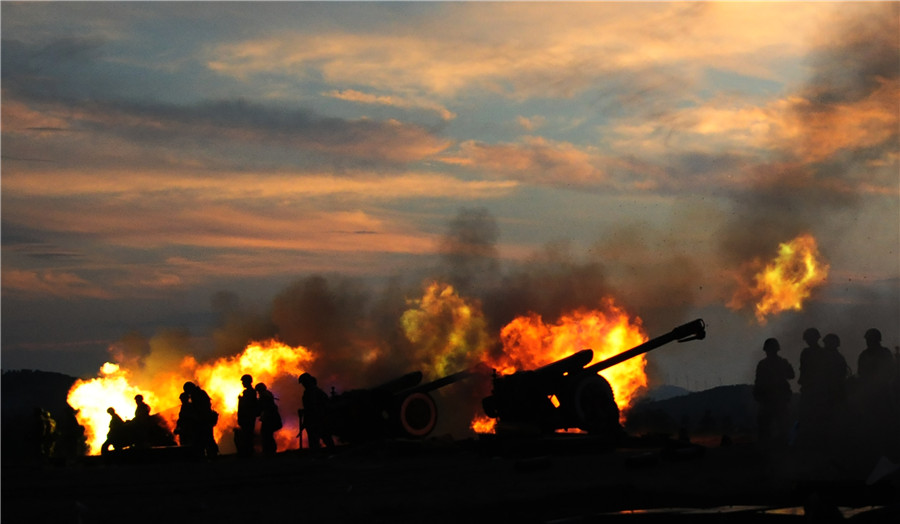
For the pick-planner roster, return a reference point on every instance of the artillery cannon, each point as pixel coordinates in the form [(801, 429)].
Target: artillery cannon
[(401, 407), (583, 398)]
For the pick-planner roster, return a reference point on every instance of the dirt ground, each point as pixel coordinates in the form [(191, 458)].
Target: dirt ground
[(553, 480)]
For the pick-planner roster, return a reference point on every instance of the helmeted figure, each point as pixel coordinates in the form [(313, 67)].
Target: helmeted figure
[(186, 426), (875, 402), (772, 391), (875, 365), (206, 418), (141, 423), (836, 370), (248, 410), (117, 437), (269, 418), (314, 415), (812, 380)]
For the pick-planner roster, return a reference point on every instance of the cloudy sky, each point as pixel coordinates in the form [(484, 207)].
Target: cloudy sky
[(207, 173)]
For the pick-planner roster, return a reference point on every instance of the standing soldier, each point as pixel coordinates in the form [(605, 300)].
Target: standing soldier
[(314, 415), (116, 437), (875, 365), (812, 380), (773, 393), (269, 418), (141, 422), (205, 419), (186, 426), (248, 410), (837, 371)]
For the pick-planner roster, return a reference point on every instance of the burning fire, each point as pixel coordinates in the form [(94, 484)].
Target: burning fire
[(483, 424), (529, 343), (448, 331), (266, 361), (787, 280)]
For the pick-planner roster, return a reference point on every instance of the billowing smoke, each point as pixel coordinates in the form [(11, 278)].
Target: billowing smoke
[(837, 136), (469, 251)]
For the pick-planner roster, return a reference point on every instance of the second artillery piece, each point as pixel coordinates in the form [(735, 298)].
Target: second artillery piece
[(565, 394), (400, 408)]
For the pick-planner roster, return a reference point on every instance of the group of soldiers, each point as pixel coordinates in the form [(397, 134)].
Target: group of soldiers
[(196, 420), (258, 402), (834, 403)]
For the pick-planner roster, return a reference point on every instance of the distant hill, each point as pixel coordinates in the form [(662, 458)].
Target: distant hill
[(22, 392), (666, 392), (722, 410)]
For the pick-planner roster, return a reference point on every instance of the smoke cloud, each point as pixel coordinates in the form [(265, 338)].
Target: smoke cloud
[(843, 121)]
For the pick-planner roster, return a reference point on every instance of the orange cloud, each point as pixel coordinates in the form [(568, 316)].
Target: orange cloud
[(535, 159), (819, 131), (62, 284), (135, 184), (568, 47), (353, 95), (793, 127)]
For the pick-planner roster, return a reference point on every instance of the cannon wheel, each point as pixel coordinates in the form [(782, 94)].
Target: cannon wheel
[(595, 406), (418, 414)]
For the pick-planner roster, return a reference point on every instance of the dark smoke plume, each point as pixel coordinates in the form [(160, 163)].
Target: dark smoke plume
[(814, 181)]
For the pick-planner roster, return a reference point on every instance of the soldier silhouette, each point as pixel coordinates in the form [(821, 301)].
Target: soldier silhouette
[(837, 370), (772, 391), (269, 418), (314, 414), (43, 433), (875, 365), (186, 426), (247, 412), (813, 407), (140, 424), (115, 437), (206, 419), (873, 402)]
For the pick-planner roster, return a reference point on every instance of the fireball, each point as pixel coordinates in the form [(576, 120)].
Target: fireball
[(787, 281), (447, 330)]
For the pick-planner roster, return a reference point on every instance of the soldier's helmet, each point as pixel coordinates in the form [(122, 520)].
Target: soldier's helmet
[(873, 336), (831, 341), (307, 379), (811, 336), (771, 345), (246, 380)]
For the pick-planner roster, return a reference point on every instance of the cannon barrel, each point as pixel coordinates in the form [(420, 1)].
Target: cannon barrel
[(694, 330)]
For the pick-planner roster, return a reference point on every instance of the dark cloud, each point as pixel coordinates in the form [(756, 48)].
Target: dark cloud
[(854, 61), (63, 78)]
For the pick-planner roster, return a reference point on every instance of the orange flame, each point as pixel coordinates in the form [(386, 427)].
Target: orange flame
[(529, 343), (483, 424), (788, 280), (266, 361)]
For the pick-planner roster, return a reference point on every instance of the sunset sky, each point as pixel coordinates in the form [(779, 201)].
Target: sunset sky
[(181, 174)]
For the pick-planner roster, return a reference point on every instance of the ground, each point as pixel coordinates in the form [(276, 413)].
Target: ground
[(569, 479)]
